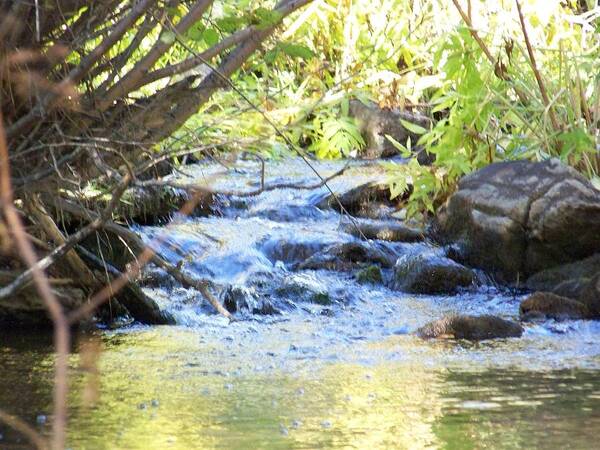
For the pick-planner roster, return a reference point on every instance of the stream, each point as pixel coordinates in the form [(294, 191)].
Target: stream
[(316, 359)]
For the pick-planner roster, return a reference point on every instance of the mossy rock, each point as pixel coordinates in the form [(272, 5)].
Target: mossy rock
[(370, 274)]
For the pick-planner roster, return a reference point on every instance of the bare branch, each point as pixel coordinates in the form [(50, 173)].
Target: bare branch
[(536, 71), (129, 81), (78, 73), (195, 61)]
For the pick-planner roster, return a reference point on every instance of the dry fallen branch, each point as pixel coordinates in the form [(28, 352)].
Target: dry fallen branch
[(146, 254), (263, 188)]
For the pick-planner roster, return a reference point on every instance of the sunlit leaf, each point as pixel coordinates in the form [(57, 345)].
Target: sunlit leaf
[(413, 127)]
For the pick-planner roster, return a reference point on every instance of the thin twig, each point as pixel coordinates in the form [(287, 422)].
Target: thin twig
[(61, 327), (502, 74), (25, 429), (535, 69)]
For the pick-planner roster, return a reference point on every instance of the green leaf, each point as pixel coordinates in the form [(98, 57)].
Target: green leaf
[(577, 140), (413, 127), (271, 56), (210, 36), (401, 148), (229, 24), (345, 106), (265, 18), (296, 50), (196, 31)]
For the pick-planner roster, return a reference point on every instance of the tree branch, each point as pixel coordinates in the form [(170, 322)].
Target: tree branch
[(195, 61), (130, 80)]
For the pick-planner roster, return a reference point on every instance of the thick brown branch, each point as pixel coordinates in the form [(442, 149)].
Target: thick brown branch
[(195, 61), (119, 61), (77, 74), (167, 111), (131, 79)]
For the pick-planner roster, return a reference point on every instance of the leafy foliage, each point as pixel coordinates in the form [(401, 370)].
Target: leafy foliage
[(488, 106)]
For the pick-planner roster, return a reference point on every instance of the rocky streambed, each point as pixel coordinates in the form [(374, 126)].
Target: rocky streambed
[(327, 347)]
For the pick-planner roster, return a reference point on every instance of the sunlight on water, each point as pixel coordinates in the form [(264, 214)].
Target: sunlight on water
[(172, 387)]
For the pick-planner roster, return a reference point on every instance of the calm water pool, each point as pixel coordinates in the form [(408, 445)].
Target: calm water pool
[(179, 388)]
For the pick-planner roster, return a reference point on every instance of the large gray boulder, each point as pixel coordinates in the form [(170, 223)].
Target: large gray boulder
[(517, 218), (591, 296), (567, 280)]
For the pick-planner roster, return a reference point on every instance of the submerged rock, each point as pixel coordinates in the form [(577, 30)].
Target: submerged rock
[(473, 328), (375, 123), (292, 250), (545, 305), (239, 299), (394, 231), (517, 218), (304, 288), (346, 256), (370, 200), (429, 273)]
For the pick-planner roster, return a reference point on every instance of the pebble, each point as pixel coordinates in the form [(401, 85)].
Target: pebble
[(326, 424), (283, 430), (41, 419), (154, 403), (142, 406), (229, 386), (296, 424)]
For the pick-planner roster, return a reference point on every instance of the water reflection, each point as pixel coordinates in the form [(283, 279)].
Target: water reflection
[(169, 387)]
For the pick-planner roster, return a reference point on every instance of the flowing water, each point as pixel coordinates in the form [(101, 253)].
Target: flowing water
[(338, 367)]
